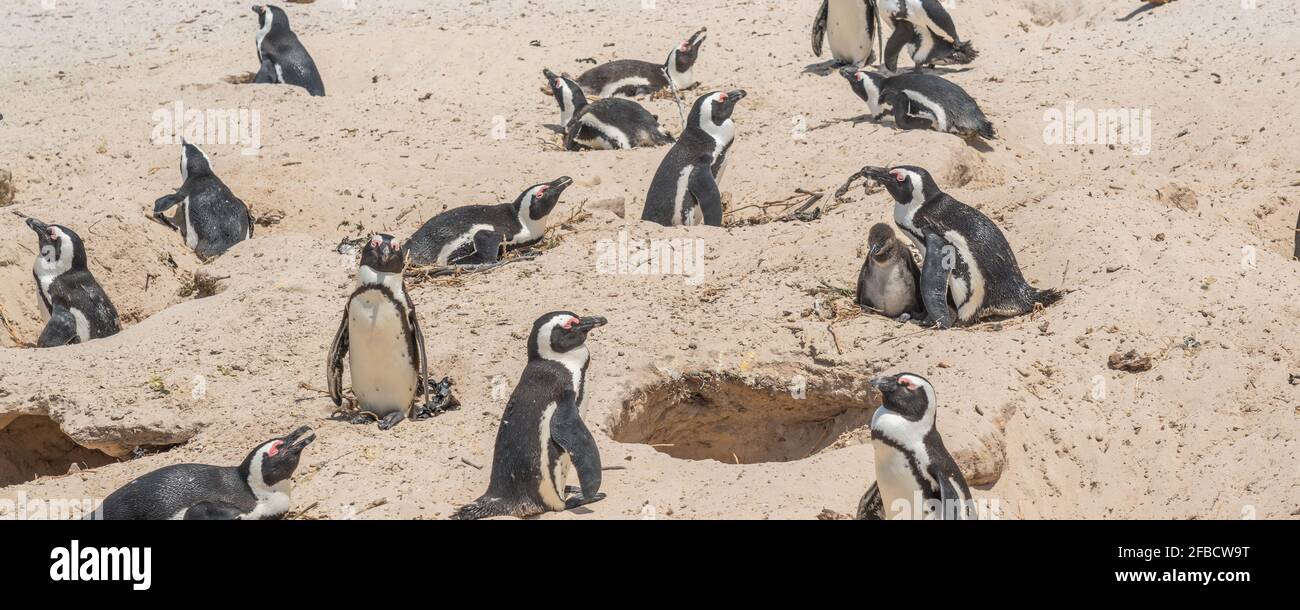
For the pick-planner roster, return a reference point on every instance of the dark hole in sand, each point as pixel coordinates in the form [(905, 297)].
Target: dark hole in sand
[(33, 446), (748, 419)]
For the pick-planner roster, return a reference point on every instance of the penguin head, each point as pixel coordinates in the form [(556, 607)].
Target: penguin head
[(567, 92), (194, 162), (275, 460), (866, 84), (906, 394), (61, 249), (714, 108), (271, 17), (881, 243), (559, 333), (683, 57), (540, 199), (908, 184), (384, 253)]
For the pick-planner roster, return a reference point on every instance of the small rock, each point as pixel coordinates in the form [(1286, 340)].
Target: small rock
[(1131, 362), (1178, 196)]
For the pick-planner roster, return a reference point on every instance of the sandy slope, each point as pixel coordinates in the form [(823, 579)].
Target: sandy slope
[(416, 89)]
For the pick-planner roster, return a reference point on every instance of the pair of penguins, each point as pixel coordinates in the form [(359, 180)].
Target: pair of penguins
[(540, 438)]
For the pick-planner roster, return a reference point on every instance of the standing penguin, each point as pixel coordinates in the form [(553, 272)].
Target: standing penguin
[(685, 188), (210, 218), (76, 308), (890, 281), (541, 431), (381, 334), (474, 234), (258, 488), (853, 26), (966, 256), (613, 123), (916, 477), (284, 60), (926, 27), (921, 101), (632, 78)]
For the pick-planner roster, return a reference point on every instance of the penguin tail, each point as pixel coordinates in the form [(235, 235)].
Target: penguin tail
[(1048, 297), (963, 52), (987, 131), (483, 508)]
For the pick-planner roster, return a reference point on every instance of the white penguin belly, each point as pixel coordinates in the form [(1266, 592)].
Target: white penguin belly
[(846, 22), (896, 290), (614, 137), (555, 478), (898, 488), (937, 115), (630, 81), (383, 376), (465, 238)]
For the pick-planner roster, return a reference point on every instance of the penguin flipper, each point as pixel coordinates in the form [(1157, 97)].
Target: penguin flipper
[(934, 280), (952, 506), (422, 364), (571, 434), (897, 41), (165, 203), (903, 117), (871, 507), (939, 18), (487, 249), (215, 510), (819, 28), (334, 368), (266, 73), (60, 330), (705, 190)]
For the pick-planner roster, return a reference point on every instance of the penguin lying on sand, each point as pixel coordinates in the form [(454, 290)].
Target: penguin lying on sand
[(633, 78), (381, 334), (211, 219), (475, 234), (921, 101), (684, 190), (966, 256), (283, 58), (76, 307), (927, 29), (542, 433), (613, 123), (916, 477), (258, 488)]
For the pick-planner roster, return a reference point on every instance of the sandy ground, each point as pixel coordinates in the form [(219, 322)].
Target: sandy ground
[(1183, 254)]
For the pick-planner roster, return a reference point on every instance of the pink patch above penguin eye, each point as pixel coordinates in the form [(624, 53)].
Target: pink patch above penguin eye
[(570, 323), (559, 83), (899, 176), (907, 382), (686, 46), (275, 448)]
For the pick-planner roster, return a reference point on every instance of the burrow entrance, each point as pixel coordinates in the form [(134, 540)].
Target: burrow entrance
[(781, 414), (33, 446)]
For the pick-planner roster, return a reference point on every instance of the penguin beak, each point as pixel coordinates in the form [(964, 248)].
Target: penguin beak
[(558, 186), (698, 38), (883, 383), (298, 440), (879, 174), (41, 228), (587, 323), (735, 96), (259, 9), (875, 250), (550, 76), (849, 72)]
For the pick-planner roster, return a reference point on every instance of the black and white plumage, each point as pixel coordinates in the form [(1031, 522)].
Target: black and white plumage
[(685, 187), (853, 27), (890, 281), (916, 477), (210, 218), (283, 58), (613, 123), (633, 78), (925, 48), (75, 306), (966, 256), (380, 333), (921, 101), (475, 234), (542, 433), (258, 488)]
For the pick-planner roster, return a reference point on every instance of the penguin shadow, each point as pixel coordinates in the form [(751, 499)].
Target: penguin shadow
[(1138, 11), (979, 145)]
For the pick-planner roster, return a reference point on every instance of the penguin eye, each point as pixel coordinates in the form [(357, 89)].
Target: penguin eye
[(722, 97), (899, 176), (541, 192), (376, 242), (859, 75), (559, 84), (275, 448), (686, 46), (570, 323), (395, 244)]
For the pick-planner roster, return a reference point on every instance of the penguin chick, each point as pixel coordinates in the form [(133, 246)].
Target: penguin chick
[(890, 281)]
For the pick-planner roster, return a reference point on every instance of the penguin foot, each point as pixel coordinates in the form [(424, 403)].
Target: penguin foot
[(392, 419), (362, 419), (576, 498), (441, 401), (904, 318)]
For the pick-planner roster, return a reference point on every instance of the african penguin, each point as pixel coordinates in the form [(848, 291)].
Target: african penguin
[(632, 78), (542, 433), (921, 101), (210, 217), (259, 488), (925, 49), (889, 282), (966, 256), (475, 234), (613, 123), (916, 477), (685, 187), (381, 335), (853, 27), (76, 307), (284, 60), (932, 34)]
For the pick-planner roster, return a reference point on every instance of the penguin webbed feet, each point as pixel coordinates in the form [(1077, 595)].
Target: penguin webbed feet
[(576, 498), (440, 401), (392, 419)]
